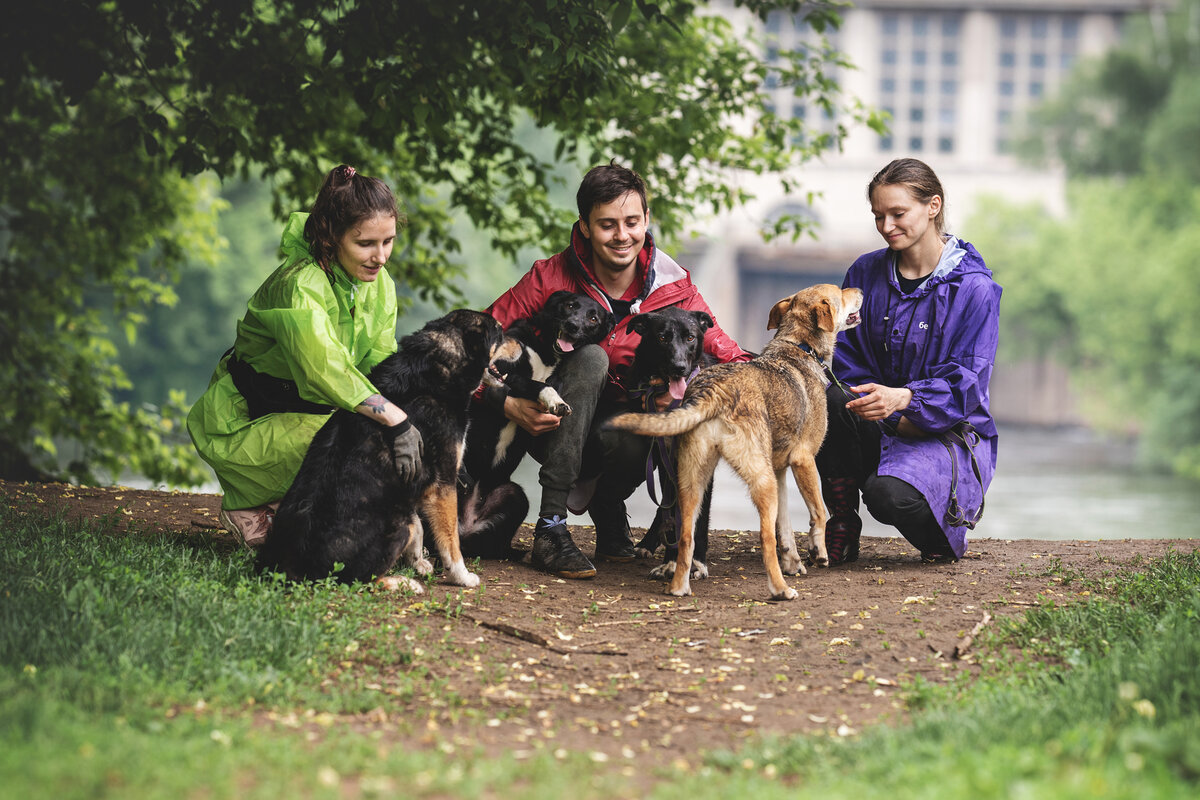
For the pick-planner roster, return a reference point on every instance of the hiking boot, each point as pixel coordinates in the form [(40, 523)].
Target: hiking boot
[(844, 527), (614, 542), (250, 525), (554, 550)]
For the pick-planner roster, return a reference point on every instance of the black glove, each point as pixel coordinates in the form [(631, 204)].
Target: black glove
[(407, 449)]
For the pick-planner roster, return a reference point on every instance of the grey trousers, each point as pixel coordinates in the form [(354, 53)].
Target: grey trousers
[(579, 449)]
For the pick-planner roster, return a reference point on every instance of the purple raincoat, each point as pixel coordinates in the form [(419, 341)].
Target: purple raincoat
[(940, 342)]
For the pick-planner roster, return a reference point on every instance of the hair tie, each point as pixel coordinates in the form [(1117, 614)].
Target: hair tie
[(347, 172)]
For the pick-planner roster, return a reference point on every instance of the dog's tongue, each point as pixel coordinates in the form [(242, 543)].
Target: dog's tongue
[(676, 387), (565, 345)]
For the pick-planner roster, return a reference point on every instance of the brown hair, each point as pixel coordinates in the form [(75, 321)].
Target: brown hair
[(345, 199), (919, 178), (606, 183)]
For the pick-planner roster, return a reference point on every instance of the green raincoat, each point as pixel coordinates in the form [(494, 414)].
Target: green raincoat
[(325, 337)]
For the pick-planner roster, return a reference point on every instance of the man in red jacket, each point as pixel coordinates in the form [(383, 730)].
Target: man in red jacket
[(612, 258)]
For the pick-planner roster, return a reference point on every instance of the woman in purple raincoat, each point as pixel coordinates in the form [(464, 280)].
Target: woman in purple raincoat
[(909, 423)]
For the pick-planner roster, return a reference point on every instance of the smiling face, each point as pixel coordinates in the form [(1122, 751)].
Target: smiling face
[(617, 231), (365, 248), (901, 219)]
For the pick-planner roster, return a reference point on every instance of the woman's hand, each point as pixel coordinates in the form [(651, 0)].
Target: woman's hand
[(878, 402), (407, 445), (530, 415)]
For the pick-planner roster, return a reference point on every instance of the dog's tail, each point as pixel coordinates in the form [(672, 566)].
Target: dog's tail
[(671, 423)]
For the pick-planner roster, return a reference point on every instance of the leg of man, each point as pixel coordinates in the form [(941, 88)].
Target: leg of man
[(620, 457), (848, 455), (896, 502), (560, 452)]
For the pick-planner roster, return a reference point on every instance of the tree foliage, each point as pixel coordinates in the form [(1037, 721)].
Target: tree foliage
[(1114, 286), (1135, 110), (109, 109)]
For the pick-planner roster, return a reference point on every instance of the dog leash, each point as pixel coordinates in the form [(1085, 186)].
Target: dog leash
[(963, 432)]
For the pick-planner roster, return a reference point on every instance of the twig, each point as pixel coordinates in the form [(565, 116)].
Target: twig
[(960, 649), (629, 622), (537, 638)]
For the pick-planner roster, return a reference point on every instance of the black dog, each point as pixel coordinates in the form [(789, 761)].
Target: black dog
[(349, 506), (491, 506), (669, 355)]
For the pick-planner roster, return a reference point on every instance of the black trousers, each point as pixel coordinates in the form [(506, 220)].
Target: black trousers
[(851, 451)]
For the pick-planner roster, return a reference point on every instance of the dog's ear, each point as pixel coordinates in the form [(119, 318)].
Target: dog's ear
[(823, 311), (704, 319), (638, 324), (777, 312)]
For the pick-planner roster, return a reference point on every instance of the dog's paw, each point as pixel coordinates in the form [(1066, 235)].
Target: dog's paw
[(790, 562), (665, 570), (699, 570), (397, 583), (641, 552), (423, 567), (818, 558), (682, 591), (553, 402), (788, 593), (459, 575)]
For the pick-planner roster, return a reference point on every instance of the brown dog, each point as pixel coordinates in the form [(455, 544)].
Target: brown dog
[(761, 416)]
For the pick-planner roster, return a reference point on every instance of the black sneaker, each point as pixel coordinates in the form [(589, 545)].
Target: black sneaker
[(555, 552), (613, 539)]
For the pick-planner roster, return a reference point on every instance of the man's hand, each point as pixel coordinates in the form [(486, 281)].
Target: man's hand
[(530, 415), (408, 448), (878, 402)]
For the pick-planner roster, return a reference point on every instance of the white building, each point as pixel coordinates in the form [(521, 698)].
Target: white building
[(956, 78)]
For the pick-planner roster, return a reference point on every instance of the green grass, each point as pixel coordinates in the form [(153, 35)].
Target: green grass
[(1097, 699), (142, 665)]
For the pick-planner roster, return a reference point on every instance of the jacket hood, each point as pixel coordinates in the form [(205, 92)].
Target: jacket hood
[(958, 259), (656, 267), (293, 244)]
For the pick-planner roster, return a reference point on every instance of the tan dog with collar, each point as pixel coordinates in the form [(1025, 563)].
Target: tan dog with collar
[(763, 417)]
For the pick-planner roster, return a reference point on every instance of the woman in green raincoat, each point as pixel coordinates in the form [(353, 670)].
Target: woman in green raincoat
[(311, 334)]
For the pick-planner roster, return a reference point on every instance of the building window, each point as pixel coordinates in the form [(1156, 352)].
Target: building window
[(916, 144), (885, 144), (918, 58), (949, 87), (949, 58), (916, 114), (889, 57), (945, 144)]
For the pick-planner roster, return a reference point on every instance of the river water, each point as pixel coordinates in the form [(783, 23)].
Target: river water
[(1050, 484)]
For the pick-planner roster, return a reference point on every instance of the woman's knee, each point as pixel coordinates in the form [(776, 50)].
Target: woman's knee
[(893, 501)]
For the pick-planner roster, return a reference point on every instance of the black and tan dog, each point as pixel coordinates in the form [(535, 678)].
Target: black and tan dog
[(668, 356), (349, 506), (491, 505), (762, 416)]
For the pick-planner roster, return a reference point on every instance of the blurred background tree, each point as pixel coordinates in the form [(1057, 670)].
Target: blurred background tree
[(1115, 285), (128, 127)]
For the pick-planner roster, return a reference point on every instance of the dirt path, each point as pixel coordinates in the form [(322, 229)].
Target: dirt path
[(614, 667)]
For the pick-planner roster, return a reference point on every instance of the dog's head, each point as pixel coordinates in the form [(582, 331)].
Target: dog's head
[(671, 347), (823, 307), (574, 319), (505, 355)]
